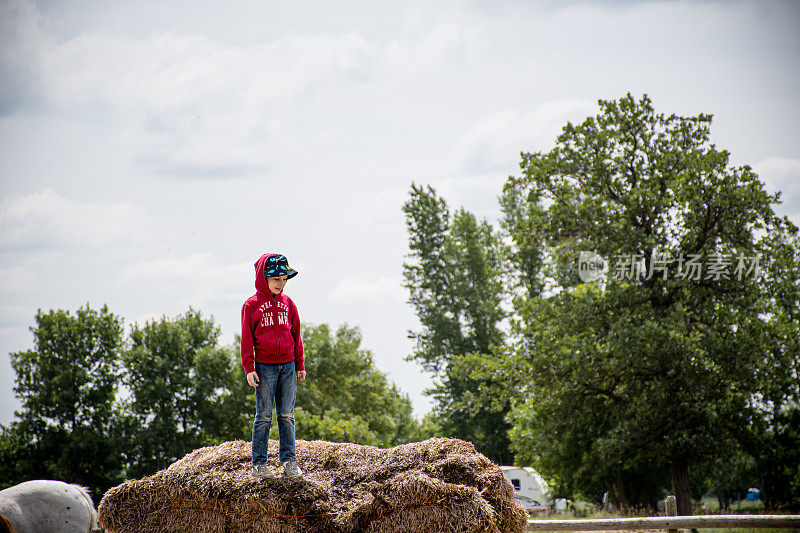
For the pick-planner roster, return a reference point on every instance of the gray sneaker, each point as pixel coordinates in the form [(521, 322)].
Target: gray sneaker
[(262, 470), (290, 469)]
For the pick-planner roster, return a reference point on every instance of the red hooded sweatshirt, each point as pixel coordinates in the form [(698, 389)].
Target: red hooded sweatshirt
[(270, 326)]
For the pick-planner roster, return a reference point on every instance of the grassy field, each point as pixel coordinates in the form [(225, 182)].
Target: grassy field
[(582, 509)]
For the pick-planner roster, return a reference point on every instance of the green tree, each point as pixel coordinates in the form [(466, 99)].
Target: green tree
[(731, 475), (643, 370), (774, 439), (455, 279), (185, 391), (235, 405), (521, 222), (345, 398), (95, 410), (68, 427)]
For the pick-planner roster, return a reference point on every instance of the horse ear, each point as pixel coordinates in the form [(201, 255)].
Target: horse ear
[(5, 525)]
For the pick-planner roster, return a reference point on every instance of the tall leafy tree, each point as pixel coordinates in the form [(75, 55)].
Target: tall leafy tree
[(455, 281), (68, 426), (774, 438), (345, 397), (183, 391), (657, 365), (224, 399), (521, 222)]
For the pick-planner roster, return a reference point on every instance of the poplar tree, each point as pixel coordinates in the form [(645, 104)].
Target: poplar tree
[(456, 281)]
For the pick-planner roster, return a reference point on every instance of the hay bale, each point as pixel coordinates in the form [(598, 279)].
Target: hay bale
[(436, 485)]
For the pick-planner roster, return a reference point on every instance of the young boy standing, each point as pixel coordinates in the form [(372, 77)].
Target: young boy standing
[(272, 356)]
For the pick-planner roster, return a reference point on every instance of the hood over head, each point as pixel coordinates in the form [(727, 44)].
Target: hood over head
[(261, 281), (278, 264)]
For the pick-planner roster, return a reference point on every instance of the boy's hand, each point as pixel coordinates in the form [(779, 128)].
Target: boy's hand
[(252, 379), (301, 375)]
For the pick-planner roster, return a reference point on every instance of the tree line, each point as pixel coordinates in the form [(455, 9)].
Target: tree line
[(100, 405), (581, 334)]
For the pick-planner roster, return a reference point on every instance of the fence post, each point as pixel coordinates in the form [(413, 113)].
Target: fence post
[(671, 509)]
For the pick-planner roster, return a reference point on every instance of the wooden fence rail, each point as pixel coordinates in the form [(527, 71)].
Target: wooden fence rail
[(669, 522)]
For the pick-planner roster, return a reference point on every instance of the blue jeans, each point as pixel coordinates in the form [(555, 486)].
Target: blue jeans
[(277, 384)]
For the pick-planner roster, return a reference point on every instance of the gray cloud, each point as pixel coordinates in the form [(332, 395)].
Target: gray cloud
[(20, 57), (130, 120), (782, 175)]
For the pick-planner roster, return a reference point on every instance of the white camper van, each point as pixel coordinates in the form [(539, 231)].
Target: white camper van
[(529, 487)]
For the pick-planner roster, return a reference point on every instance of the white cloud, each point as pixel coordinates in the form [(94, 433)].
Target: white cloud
[(192, 72), (16, 279), (385, 205), (360, 289), (494, 144), (198, 279), (194, 105), (476, 193), (47, 219), (489, 152), (782, 174), (451, 39)]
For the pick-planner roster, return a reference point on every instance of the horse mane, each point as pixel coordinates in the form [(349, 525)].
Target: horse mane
[(85, 493)]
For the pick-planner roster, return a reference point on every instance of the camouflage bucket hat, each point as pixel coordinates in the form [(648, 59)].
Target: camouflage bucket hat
[(278, 265)]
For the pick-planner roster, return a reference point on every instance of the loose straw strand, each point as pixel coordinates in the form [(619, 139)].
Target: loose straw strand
[(262, 515)]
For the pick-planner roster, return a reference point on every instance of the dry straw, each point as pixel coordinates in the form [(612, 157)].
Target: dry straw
[(433, 486)]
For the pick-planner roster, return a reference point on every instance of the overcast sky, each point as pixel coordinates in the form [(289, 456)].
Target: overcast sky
[(150, 151)]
